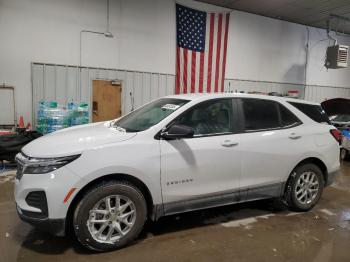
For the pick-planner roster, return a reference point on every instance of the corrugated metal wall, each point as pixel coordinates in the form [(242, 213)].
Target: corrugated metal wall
[(63, 83), (322, 93), (237, 85), (311, 93)]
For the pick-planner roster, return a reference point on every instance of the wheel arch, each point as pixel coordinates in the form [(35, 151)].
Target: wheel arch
[(313, 160), (151, 208)]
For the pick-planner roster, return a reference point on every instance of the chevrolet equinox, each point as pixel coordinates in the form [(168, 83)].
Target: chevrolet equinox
[(175, 154)]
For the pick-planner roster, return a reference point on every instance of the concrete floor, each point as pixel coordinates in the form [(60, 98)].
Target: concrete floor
[(258, 231)]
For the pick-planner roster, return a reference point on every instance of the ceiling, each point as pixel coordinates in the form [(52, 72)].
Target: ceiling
[(307, 12)]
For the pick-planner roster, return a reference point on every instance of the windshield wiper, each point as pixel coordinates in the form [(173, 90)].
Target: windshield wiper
[(119, 128)]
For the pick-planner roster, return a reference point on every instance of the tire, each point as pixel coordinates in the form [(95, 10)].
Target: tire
[(297, 186), (344, 154), (88, 223)]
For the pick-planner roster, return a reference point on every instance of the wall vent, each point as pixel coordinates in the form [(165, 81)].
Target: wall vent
[(337, 56)]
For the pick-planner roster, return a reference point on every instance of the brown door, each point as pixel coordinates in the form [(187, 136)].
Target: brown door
[(106, 100)]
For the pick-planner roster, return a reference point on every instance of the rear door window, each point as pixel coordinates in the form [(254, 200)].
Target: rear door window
[(315, 112), (260, 114)]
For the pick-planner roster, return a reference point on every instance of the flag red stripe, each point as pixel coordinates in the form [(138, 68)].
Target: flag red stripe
[(210, 53), (193, 72), (225, 51), (218, 49), (177, 81), (201, 68), (185, 70)]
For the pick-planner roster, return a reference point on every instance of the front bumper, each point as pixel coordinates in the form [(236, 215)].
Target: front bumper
[(56, 227), (55, 186)]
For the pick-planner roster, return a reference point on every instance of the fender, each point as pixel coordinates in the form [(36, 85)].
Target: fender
[(302, 158)]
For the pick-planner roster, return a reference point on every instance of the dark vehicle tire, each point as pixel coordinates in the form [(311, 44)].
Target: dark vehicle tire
[(344, 154), (304, 187), (110, 216)]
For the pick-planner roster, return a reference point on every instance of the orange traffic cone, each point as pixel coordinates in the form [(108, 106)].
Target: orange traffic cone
[(21, 122)]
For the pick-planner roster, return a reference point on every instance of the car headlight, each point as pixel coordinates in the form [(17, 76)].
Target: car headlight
[(33, 165)]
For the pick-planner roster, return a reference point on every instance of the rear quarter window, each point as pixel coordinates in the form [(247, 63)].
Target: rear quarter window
[(288, 118), (315, 112)]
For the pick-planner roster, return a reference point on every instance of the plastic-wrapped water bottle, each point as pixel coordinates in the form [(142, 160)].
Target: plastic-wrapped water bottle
[(56, 117), (70, 114), (84, 109), (42, 118), (41, 107), (80, 114), (53, 117), (71, 105)]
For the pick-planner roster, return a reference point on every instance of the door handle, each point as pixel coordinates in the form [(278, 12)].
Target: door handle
[(294, 136), (229, 143)]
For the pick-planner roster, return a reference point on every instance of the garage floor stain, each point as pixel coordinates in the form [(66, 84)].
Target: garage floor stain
[(256, 231)]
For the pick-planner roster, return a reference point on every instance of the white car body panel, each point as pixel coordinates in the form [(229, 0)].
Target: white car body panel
[(139, 157), (193, 167), (75, 140), (56, 186), (197, 167)]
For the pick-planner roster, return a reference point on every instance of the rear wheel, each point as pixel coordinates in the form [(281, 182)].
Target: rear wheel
[(110, 216), (304, 187)]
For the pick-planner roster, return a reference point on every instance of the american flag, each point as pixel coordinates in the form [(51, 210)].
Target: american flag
[(200, 51)]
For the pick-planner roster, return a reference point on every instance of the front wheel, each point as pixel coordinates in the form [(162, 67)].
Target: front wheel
[(304, 187), (110, 216)]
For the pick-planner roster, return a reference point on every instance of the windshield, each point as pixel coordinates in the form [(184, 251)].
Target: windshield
[(149, 115), (342, 118)]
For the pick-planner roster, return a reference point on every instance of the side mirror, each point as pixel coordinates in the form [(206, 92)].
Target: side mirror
[(177, 132)]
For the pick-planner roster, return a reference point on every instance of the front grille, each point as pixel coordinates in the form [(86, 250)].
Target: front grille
[(38, 200)]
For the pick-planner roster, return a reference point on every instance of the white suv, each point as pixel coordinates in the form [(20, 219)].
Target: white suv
[(175, 154)]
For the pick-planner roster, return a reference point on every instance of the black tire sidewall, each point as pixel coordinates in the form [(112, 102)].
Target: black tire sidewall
[(81, 215), (292, 199)]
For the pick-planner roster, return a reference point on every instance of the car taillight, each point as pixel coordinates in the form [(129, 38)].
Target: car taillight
[(336, 134)]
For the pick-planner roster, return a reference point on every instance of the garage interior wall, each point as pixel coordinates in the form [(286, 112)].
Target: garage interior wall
[(262, 53), (62, 83)]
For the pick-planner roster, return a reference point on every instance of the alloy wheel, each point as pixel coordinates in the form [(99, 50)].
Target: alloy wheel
[(307, 187), (111, 218)]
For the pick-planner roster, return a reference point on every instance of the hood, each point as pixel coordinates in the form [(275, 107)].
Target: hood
[(336, 106), (75, 140)]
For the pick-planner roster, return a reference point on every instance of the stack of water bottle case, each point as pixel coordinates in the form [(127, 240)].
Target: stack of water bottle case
[(53, 117)]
